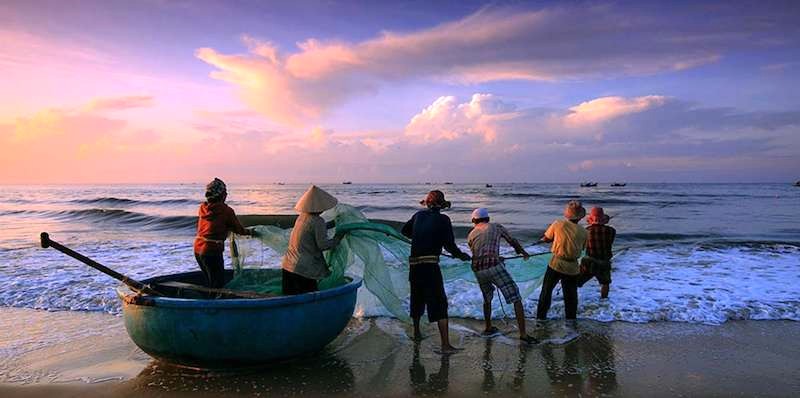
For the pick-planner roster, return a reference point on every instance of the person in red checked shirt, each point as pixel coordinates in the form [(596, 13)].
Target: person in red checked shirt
[(597, 261), (215, 220)]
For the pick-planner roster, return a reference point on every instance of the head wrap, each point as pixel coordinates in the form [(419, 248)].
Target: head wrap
[(574, 210), (215, 190), (435, 199)]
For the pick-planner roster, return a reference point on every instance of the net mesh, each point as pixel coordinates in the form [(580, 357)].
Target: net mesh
[(373, 251)]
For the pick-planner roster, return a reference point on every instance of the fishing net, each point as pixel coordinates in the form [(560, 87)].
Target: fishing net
[(373, 251)]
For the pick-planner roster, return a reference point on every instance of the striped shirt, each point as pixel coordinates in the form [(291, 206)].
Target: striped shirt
[(484, 241), (600, 241)]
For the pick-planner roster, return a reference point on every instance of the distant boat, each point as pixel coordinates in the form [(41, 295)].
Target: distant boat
[(588, 184), (347, 182), (427, 183), (448, 183), (797, 184), (619, 184), (279, 183), (488, 185)]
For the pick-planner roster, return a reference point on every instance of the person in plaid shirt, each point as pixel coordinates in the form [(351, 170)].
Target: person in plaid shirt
[(484, 241), (597, 261)]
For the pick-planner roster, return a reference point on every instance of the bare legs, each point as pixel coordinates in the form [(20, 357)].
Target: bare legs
[(444, 334), (519, 312), (604, 291)]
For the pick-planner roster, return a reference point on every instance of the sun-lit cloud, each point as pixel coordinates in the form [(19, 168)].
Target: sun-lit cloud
[(599, 110), (496, 43), (121, 103), (446, 119)]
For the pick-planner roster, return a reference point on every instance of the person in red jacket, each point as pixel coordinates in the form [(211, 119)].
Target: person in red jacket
[(215, 221)]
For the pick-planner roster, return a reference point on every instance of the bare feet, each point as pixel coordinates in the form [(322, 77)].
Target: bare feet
[(491, 331), (528, 339), (449, 349)]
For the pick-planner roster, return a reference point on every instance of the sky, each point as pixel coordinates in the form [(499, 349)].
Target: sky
[(163, 91)]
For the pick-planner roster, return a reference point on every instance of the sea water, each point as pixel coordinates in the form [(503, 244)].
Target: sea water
[(700, 253)]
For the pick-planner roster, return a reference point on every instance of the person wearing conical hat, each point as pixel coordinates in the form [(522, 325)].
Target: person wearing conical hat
[(215, 220), (597, 261), (569, 240), (304, 265), (430, 231)]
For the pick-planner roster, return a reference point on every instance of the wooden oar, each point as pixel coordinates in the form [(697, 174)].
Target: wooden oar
[(140, 287), (132, 283)]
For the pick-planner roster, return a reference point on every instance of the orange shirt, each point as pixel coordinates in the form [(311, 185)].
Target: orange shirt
[(214, 222)]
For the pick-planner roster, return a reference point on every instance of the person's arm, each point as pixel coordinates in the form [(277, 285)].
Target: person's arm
[(321, 235), (450, 241), (408, 227), (549, 234), (234, 224), (513, 242)]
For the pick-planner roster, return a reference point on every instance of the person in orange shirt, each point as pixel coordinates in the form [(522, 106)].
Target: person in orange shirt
[(215, 220)]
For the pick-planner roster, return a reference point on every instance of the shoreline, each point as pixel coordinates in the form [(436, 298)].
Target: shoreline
[(90, 355)]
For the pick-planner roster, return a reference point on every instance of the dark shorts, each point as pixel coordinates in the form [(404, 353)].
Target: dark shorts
[(595, 269), (213, 266), (427, 292), (292, 284)]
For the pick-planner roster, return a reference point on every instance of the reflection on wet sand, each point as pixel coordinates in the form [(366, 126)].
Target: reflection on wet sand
[(586, 366), (433, 384), (325, 374)]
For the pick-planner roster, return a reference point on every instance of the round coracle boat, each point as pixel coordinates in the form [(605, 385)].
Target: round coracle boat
[(223, 333)]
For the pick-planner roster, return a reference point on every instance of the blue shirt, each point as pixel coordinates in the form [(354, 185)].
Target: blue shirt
[(430, 231)]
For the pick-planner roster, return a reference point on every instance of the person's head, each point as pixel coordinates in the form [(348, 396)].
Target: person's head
[(597, 216), (435, 200), (216, 191), (480, 215), (315, 201), (574, 211)]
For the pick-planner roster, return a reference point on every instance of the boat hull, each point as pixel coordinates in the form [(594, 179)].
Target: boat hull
[(206, 333)]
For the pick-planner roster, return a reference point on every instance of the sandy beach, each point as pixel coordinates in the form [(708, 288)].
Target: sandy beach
[(73, 354)]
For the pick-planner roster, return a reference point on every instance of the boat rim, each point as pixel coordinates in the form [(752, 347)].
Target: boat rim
[(124, 293)]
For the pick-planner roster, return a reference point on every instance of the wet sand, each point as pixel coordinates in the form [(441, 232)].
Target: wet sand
[(69, 354)]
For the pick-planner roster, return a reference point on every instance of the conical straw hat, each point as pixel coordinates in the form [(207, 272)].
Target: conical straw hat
[(315, 200)]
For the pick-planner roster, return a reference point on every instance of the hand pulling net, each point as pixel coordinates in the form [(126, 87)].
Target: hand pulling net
[(373, 251)]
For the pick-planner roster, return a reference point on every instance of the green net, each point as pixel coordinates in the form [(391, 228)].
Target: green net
[(373, 251)]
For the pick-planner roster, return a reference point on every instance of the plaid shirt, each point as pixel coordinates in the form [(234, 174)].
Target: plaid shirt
[(484, 240), (600, 241)]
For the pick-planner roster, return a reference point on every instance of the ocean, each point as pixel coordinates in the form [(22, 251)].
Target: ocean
[(698, 253)]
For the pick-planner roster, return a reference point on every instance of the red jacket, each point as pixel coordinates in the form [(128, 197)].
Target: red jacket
[(214, 222)]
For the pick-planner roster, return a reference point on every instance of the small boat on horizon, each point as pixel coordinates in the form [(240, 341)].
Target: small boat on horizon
[(588, 184), (448, 183), (797, 184), (347, 182), (619, 184), (488, 185)]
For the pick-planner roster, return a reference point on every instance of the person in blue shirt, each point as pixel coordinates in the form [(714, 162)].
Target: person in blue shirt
[(430, 231)]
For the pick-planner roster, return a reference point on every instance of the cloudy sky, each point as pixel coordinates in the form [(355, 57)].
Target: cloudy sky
[(325, 91)]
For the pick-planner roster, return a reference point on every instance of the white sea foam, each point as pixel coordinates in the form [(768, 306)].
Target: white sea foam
[(681, 282)]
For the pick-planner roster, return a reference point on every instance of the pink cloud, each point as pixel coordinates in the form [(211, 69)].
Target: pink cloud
[(602, 109), (446, 119), (297, 87)]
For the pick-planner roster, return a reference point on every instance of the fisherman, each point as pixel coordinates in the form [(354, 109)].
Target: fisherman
[(569, 240), (490, 271), (430, 231), (215, 220), (304, 265), (597, 261)]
